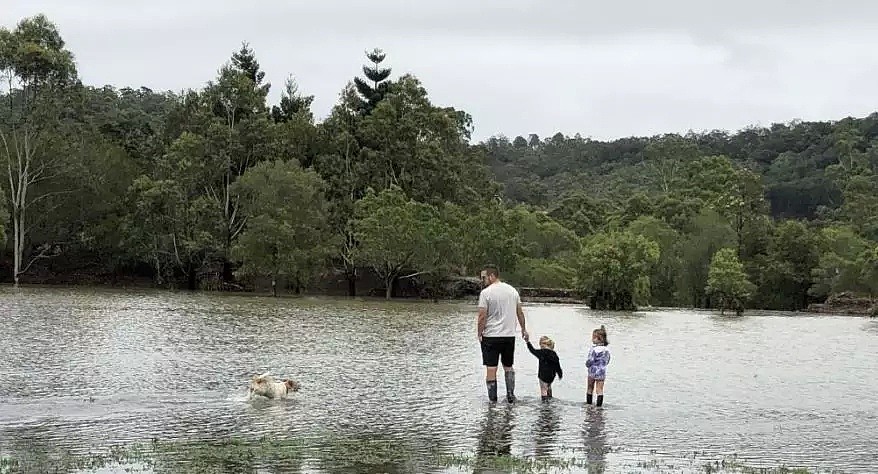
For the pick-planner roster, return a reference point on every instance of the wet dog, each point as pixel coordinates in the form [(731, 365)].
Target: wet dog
[(266, 386)]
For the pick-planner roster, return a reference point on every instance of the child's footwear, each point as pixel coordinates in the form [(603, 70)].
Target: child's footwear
[(588, 398), (492, 390), (600, 400)]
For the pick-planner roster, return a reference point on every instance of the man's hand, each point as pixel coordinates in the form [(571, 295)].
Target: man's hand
[(521, 322)]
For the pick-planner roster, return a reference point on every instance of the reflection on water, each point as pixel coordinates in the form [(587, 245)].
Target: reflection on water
[(595, 439), (547, 427), (495, 436), (84, 369)]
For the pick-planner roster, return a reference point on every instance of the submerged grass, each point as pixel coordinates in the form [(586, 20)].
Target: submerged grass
[(334, 454)]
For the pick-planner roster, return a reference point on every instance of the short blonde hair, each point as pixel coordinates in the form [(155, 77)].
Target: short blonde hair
[(546, 341)]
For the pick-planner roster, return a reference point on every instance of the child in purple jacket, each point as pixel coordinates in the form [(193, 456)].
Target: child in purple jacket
[(598, 359)]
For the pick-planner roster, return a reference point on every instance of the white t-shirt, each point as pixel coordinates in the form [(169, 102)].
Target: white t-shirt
[(501, 302)]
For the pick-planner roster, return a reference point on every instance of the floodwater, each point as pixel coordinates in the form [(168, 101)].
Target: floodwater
[(84, 369)]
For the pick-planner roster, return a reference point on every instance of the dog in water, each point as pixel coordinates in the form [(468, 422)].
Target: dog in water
[(266, 386)]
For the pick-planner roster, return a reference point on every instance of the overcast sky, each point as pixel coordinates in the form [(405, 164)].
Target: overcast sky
[(603, 69)]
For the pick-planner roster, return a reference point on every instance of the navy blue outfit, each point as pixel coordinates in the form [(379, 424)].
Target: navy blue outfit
[(550, 365)]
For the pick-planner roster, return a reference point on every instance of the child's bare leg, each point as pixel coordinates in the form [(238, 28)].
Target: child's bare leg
[(544, 390), (599, 391), (589, 390)]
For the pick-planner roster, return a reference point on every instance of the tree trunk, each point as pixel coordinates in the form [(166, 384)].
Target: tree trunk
[(352, 284), (388, 288), (274, 286), (297, 284), (394, 287), (191, 277), (228, 275), (18, 243)]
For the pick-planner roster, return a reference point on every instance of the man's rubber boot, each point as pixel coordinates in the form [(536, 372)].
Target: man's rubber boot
[(492, 390), (510, 386)]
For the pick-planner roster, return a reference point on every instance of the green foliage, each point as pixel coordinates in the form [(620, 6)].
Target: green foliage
[(293, 105), (543, 273), (287, 223), (614, 269), (783, 273), (710, 232), (34, 54), (666, 156), (846, 263), (484, 235), (727, 281), (38, 72), (374, 87), (408, 142), (134, 181), (397, 233), (581, 213), (663, 276)]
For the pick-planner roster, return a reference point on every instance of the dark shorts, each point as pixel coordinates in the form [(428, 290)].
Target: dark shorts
[(495, 349)]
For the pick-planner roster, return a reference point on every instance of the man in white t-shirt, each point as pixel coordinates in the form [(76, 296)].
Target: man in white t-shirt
[(499, 308)]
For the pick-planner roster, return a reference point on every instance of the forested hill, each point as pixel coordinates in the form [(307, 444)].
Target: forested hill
[(791, 158), (216, 188)]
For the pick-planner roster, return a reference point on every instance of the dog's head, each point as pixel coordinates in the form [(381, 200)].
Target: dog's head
[(259, 382), (292, 385)]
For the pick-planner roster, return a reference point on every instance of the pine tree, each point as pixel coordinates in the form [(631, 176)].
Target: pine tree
[(375, 86), (292, 104), (245, 62)]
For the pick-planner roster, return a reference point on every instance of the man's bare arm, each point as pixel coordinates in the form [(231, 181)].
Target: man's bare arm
[(482, 321), (521, 322)]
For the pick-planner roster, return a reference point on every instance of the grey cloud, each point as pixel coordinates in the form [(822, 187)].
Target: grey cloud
[(603, 69)]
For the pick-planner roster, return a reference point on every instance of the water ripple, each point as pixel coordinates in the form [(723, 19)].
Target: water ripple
[(82, 368)]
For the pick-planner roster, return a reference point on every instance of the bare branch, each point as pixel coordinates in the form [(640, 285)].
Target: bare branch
[(44, 196), (238, 228), (42, 255), (176, 250), (425, 272)]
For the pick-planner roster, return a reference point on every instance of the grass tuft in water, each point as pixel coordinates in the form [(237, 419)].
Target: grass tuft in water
[(334, 454)]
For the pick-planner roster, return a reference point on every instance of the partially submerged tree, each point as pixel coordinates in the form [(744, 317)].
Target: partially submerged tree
[(287, 223), (614, 269), (727, 280), (397, 234), (37, 69)]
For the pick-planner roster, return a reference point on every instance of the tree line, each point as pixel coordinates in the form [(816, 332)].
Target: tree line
[(215, 188)]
